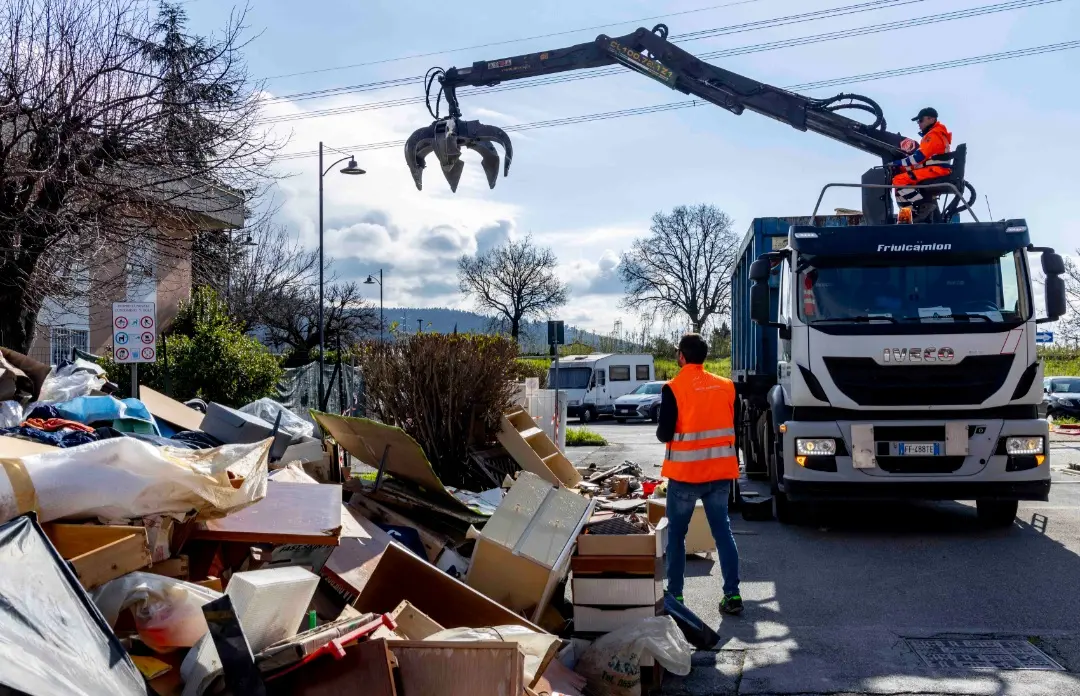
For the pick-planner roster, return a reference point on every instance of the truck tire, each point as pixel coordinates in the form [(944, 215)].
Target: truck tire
[(588, 414), (997, 513), (785, 511)]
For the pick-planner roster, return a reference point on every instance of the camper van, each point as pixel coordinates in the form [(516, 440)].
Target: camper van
[(594, 381)]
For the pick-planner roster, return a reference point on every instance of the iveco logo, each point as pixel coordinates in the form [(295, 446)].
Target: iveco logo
[(931, 354)]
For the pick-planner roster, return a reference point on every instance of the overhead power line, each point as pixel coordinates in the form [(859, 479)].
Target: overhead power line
[(671, 106), (513, 41), (723, 53), (744, 27)]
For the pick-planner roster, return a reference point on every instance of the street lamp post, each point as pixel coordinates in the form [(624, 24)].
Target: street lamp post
[(248, 242), (351, 168), (371, 281)]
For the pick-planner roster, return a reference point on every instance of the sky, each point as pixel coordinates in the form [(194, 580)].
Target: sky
[(588, 190)]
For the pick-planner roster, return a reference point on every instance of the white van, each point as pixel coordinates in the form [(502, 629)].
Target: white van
[(594, 381)]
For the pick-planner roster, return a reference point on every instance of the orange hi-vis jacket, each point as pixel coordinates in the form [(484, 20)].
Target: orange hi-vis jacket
[(703, 448), (923, 163)]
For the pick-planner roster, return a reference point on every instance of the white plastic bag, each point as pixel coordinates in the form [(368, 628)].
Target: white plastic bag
[(168, 612), (534, 645), (125, 478), (268, 410), (10, 414), (612, 664), (69, 384)]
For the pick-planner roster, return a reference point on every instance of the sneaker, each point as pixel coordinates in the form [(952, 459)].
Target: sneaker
[(731, 604), (677, 597)]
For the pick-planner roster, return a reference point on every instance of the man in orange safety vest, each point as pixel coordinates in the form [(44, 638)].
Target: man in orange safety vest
[(697, 421), (924, 164)]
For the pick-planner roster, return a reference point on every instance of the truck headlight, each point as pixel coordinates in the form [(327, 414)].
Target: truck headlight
[(818, 446), (1023, 445)]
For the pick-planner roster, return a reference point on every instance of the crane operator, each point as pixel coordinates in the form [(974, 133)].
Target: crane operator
[(923, 165)]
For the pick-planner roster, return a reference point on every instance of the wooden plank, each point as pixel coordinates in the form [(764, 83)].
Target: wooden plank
[(211, 583), (366, 670), (118, 558), (451, 668), (173, 568), (525, 456), (413, 623), (624, 565), (73, 540), (291, 513)]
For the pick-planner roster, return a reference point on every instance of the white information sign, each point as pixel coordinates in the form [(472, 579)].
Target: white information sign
[(134, 331)]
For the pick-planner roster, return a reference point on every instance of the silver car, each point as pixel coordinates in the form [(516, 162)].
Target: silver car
[(643, 402)]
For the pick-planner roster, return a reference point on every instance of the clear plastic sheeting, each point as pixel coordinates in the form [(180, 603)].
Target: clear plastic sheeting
[(268, 410), (125, 478), (71, 382), (10, 414), (612, 664), (53, 640), (168, 612)]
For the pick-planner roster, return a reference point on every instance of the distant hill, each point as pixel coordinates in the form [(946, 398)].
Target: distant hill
[(444, 320)]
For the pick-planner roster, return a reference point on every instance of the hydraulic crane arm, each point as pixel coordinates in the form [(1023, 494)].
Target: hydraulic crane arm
[(651, 54)]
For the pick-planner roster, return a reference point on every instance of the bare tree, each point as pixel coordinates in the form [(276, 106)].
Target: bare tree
[(1069, 325), (683, 266), (117, 132), (291, 317), (517, 281)]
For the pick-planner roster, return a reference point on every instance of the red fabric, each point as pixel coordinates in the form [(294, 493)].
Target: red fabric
[(54, 424)]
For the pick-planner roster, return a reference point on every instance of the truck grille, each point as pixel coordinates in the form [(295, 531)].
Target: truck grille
[(971, 381)]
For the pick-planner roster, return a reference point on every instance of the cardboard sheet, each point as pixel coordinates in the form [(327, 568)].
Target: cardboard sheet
[(13, 447), (170, 410), (354, 560), (367, 440)]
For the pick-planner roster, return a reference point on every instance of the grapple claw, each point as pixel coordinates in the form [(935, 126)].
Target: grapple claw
[(446, 137)]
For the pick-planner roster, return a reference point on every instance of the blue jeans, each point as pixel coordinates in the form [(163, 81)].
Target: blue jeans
[(681, 500)]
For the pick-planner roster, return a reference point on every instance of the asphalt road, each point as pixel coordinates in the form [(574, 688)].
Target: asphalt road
[(829, 607)]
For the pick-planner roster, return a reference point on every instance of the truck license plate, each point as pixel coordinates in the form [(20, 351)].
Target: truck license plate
[(920, 449)]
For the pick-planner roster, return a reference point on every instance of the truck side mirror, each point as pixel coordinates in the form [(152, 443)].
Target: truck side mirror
[(759, 300), (1052, 264), (760, 270), (1054, 298)]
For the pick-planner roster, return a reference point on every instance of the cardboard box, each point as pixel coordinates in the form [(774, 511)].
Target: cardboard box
[(236, 427), (600, 620), (170, 410), (619, 545), (616, 591), (699, 538)]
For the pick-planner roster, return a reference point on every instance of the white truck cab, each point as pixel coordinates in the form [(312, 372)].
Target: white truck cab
[(593, 382)]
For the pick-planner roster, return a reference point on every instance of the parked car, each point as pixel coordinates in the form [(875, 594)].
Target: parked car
[(1061, 397), (643, 402)]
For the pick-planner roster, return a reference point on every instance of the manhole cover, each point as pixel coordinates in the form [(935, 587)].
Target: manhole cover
[(982, 654)]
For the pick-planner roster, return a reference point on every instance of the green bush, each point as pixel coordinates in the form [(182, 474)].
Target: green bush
[(1060, 362), (583, 437), (534, 367), (666, 369), (206, 356)]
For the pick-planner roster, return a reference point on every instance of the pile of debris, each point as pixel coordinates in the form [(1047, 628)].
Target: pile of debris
[(234, 552)]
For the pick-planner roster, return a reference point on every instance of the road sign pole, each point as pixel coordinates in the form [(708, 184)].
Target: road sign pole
[(135, 380)]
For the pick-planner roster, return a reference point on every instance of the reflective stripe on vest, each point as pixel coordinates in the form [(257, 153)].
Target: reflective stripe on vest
[(701, 454), (705, 434)]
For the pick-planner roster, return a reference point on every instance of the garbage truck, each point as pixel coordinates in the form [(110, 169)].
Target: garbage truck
[(892, 362)]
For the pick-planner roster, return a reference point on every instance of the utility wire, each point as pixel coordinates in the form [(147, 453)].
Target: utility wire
[(675, 38), (671, 106), (511, 41), (723, 53)]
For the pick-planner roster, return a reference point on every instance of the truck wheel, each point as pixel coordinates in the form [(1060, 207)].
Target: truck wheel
[(588, 415), (783, 509), (997, 513)]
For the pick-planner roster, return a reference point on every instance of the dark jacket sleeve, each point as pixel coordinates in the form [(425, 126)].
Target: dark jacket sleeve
[(669, 414)]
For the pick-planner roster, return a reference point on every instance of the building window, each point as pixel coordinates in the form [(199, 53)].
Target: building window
[(643, 373), (62, 340), (619, 373)]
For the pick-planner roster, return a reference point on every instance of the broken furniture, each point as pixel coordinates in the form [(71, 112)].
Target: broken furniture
[(618, 577), (523, 551), (100, 553), (534, 451)]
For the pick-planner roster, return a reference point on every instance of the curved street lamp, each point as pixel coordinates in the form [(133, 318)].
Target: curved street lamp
[(352, 169), (371, 280)]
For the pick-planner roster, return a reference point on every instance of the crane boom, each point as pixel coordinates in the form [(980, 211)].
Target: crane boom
[(649, 53)]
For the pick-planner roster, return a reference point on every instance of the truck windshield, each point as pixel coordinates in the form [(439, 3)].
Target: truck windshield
[(985, 290), (570, 377)]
